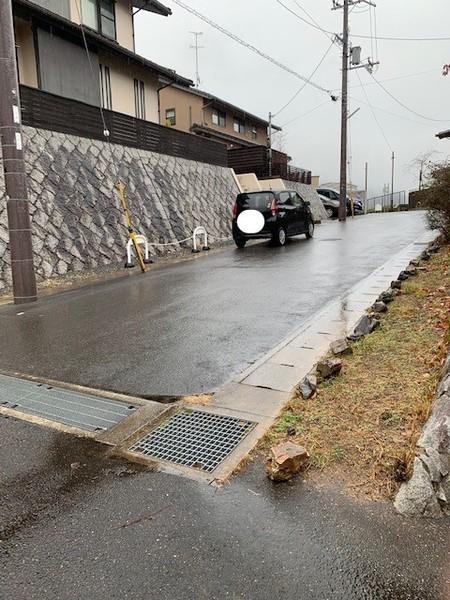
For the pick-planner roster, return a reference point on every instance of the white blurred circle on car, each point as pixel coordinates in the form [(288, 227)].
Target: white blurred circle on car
[(250, 221)]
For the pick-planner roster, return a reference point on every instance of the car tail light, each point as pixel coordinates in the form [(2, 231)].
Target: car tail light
[(235, 210), (273, 208)]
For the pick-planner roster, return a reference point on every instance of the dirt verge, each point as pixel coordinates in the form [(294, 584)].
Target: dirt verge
[(362, 427)]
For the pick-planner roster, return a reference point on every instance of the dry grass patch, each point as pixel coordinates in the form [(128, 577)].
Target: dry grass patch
[(364, 424)]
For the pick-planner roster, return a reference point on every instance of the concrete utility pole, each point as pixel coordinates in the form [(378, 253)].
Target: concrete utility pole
[(356, 64), (344, 120), (392, 180), (24, 280), (366, 191), (196, 47)]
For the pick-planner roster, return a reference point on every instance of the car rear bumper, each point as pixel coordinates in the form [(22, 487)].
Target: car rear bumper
[(267, 232)]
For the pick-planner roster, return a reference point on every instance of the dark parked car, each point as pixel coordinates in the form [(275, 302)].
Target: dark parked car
[(330, 201), (285, 214)]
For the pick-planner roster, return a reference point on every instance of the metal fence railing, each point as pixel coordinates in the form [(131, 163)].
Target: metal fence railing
[(388, 203)]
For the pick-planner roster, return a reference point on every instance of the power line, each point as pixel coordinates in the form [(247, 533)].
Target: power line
[(306, 83), (305, 114), (388, 112), (361, 36), (250, 46), (391, 79), (374, 115), (407, 107), (318, 27)]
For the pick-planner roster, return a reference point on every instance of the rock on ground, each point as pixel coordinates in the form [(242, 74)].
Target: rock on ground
[(329, 367), (340, 347), (307, 387), (365, 325), (285, 461)]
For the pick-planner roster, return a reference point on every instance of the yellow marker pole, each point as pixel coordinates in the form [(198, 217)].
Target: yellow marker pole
[(131, 233)]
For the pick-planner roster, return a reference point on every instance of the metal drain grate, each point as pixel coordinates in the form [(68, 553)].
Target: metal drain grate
[(194, 439), (83, 411)]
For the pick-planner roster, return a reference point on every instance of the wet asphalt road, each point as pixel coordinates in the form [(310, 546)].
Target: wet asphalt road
[(105, 530), (191, 326)]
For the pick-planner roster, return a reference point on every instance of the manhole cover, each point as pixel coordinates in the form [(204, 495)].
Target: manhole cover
[(83, 411), (194, 439)]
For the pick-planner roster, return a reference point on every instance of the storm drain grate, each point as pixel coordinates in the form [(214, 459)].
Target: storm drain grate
[(194, 439), (83, 411)]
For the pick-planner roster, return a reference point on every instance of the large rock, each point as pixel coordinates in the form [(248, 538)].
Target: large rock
[(365, 325), (411, 270), (379, 307), (285, 461), (308, 386), (387, 296), (329, 367), (340, 347), (417, 497)]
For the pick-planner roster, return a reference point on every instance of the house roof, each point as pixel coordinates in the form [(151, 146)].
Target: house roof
[(152, 6), (26, 8), (219, 102), (443, 134)]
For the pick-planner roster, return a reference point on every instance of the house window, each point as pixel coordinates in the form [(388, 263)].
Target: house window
[(105, 87), (89, 13), (171, 118), (107, 18), (219, 118), (139, 98), (239, 125), (99, 15)]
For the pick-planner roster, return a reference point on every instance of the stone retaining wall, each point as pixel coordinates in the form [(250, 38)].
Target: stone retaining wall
[(427, 493), (76, 217), (309, 193)]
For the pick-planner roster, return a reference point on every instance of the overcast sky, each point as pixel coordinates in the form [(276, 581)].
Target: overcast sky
[(234, 73)]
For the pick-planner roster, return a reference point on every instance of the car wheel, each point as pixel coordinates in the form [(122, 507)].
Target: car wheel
[(309, 234), (330, 213), (279, 239), (240, 242)]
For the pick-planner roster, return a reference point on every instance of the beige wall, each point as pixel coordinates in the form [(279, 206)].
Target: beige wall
[(124, 21), (192, 109), (229, 128), (122, 87), (248, 182), (188, 107), (25, 53), (315, 181), (124, 24)]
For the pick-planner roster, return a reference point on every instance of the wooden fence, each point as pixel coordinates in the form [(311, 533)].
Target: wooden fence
[(255, 160), (48, 111)]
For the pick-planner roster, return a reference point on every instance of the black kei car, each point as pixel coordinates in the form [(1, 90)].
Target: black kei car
[(285, 214)]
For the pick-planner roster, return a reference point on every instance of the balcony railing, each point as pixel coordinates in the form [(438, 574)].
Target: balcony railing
[(255, 160)]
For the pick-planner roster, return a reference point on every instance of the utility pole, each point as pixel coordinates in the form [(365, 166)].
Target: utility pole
[(366, 189), (356, 53), (269, 144), (23, 276), (344, 120), (196, 47), (392, 180)]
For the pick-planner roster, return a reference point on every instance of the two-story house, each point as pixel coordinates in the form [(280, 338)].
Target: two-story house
[(52, 57), (201, 113)]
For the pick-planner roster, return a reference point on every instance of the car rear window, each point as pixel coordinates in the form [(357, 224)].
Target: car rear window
[(257, 200)]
